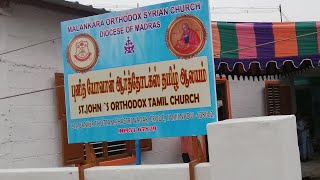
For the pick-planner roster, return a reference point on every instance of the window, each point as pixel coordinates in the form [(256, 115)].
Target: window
[(113, 149), (104, 151), (277, 98)]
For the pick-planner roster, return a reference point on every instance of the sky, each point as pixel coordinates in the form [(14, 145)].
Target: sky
[(235, 10)]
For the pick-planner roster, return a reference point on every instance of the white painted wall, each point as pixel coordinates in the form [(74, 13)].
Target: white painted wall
[(164, 151), (30, 131), (143, 172), (247, 97), (261, 148), (154, 172), (40, 174)]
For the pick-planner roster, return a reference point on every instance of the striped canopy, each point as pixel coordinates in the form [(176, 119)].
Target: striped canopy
[(262, 43)]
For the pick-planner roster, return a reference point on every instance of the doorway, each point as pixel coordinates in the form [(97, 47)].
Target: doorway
[(307, 94), (308, 105)]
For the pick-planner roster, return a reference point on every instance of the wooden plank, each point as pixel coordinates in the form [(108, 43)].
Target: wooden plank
[(198, 157), (71, 153), (117, 162), (60, 96)]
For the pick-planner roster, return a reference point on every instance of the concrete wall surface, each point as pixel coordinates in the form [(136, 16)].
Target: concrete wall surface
[(30, 130), (40, 174), (148, 172), (164, 151), (247, 98), (154, 172), (261, 148)]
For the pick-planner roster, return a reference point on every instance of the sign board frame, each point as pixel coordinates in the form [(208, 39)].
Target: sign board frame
[(141, 73)]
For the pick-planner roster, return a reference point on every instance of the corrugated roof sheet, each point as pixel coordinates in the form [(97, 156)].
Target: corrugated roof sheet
[(78, 6)]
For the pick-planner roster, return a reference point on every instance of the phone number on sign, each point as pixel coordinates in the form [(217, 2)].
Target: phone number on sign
[(138, 129)]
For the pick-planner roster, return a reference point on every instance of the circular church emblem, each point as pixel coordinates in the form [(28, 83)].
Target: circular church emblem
[(186, 36), (82, 53)]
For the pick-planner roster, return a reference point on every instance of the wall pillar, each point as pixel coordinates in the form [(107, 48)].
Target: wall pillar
[(261, 148)]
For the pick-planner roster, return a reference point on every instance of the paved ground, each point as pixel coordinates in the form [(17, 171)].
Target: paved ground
[(312, 168)]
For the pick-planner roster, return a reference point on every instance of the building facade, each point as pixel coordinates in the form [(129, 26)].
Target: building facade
[(30, 129)]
